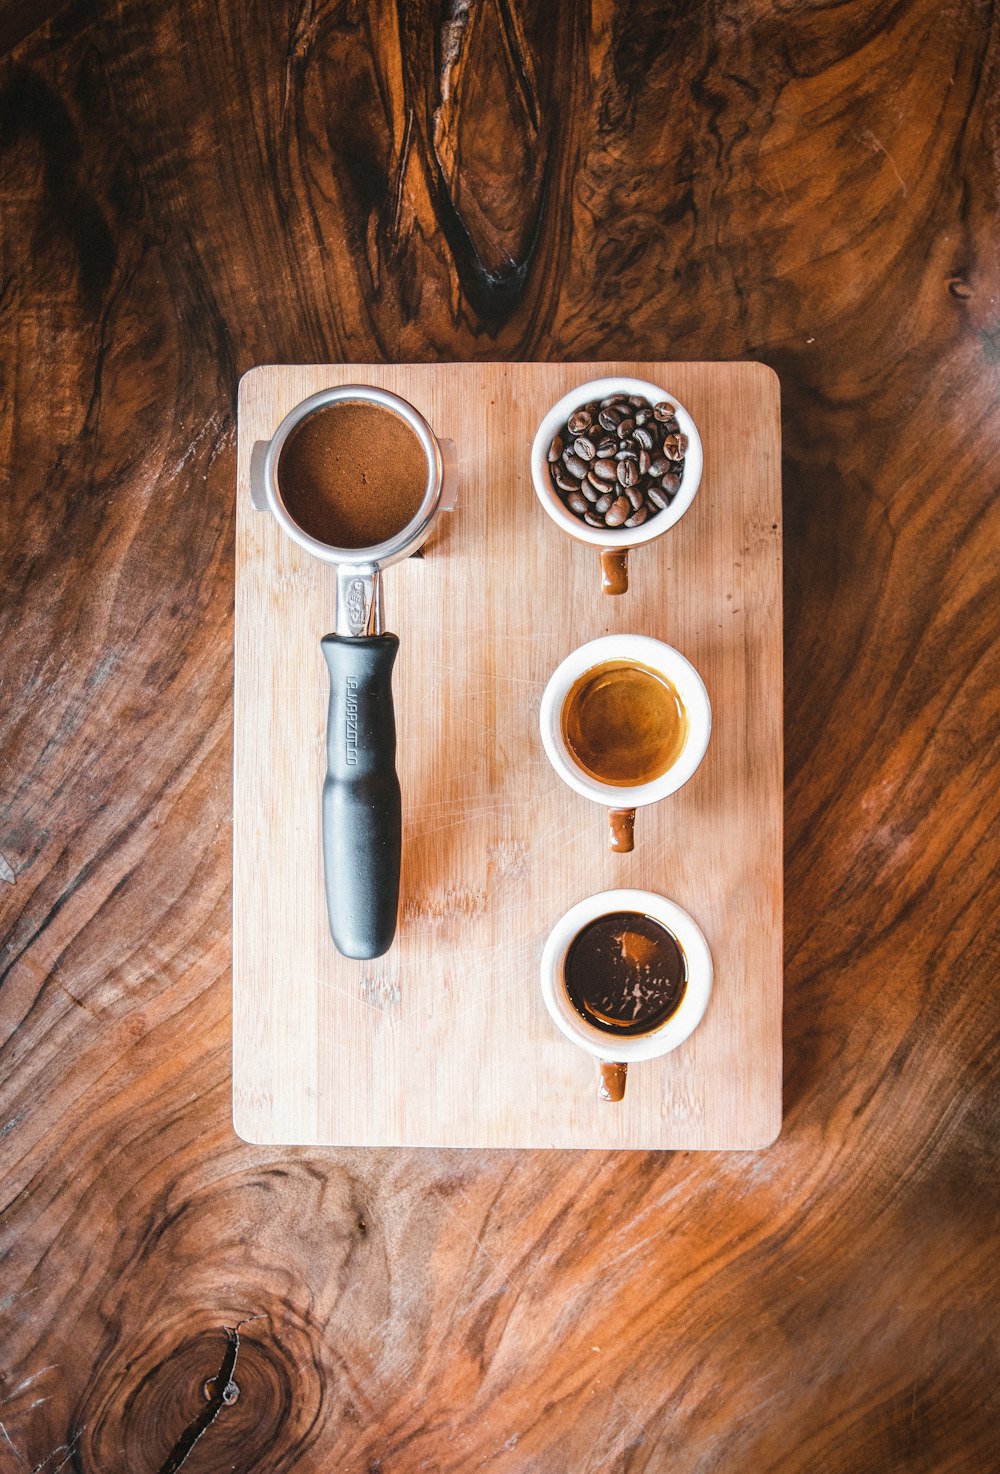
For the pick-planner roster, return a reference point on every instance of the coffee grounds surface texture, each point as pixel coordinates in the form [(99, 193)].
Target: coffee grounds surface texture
[(352, 474)]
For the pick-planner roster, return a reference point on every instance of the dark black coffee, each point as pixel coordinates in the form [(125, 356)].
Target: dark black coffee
[(625, 973)]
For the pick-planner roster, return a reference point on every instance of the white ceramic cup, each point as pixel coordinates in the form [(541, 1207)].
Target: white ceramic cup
[(614, 543), (614, 1055), (622, 800)]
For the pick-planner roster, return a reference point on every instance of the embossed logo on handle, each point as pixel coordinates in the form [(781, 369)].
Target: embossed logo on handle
[(356, 605), (351, 725)]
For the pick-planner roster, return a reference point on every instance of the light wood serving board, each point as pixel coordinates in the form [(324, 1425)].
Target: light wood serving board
[(445, 1041)]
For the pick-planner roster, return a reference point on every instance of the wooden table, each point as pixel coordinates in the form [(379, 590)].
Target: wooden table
[(189, 190)]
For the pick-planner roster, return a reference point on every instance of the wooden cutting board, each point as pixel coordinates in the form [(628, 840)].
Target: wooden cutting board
[(445, 1041)]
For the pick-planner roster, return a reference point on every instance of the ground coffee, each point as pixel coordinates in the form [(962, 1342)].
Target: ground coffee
[(352, 474)]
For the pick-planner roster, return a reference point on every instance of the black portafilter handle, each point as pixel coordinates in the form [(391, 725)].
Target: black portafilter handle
[(362, 825)]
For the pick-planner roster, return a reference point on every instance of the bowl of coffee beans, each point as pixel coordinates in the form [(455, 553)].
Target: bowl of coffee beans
[(616, 462)]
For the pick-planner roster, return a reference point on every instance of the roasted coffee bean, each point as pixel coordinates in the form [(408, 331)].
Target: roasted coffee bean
[(617, 512), (619, 460)]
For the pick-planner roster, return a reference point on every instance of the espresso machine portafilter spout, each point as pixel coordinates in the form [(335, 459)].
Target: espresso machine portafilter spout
[(361, 800)]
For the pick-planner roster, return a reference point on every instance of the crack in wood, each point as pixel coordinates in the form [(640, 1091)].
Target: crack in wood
[(221, 1392), (77, 1002)]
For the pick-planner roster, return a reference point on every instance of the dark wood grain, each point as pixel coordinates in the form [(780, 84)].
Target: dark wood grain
[(189, 189)]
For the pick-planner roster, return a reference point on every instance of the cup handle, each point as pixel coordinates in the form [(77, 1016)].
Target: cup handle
[(611, 1085), (614, 570), (621, 830)]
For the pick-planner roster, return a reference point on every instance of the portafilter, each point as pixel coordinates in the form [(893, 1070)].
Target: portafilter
[(361, 803)]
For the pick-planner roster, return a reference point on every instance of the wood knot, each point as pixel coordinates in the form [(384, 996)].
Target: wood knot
[(230, 1393)]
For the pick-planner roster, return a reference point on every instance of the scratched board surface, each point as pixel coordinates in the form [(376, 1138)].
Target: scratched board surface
[(445, 1041)]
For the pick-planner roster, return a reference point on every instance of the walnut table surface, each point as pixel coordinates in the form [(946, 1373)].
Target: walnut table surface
[(192, 189)]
